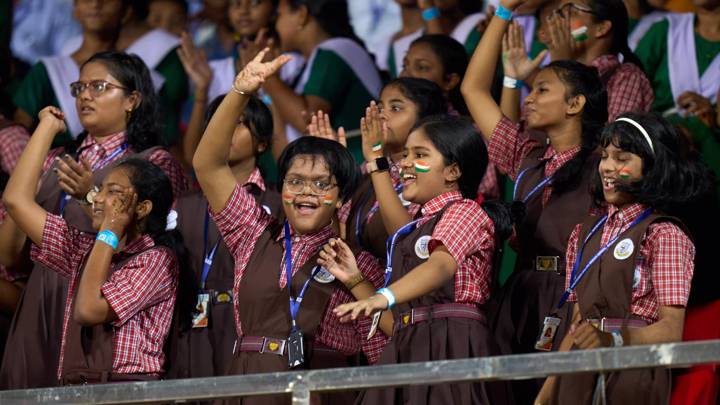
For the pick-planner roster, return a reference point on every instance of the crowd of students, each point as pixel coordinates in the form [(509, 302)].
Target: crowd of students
[(263, 194)]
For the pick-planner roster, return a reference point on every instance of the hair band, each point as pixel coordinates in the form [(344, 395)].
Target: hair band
[(639, 128)]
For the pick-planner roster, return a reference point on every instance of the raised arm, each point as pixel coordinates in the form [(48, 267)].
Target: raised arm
[(19, 196), (211, 157), (478, 79)]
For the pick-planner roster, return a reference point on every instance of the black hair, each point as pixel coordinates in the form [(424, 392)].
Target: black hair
[(459, 142), (672, 175), (140, 9), (615, 12), (470, 6), (454, 59), (338, 159), (427, 96), (182, 3), (132, 73), (580, 79), (256, 116), (331, 15)]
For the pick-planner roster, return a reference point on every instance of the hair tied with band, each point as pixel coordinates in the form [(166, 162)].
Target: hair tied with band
[(639, 128)]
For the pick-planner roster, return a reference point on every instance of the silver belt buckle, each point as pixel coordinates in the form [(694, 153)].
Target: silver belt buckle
[(546, 263)]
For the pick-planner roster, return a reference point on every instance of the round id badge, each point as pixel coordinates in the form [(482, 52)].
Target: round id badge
[(421, 247), (323, 276), (624, 249)]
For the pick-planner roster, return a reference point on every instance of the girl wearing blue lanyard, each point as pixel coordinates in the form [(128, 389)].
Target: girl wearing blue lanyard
[(629, 268), (205, 333), (116, 105), (439, 267)]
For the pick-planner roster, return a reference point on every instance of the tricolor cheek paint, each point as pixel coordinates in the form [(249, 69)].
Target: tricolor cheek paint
[(288, 199), (328, 200), (421, 167), (624, 174), (377, 147), (579, 31)]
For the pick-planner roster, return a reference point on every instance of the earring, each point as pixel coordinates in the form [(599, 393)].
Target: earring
[(128, 113)]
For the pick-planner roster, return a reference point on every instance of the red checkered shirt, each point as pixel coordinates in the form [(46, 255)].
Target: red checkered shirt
[(242, 222), (510, 144), (141, 293), (663, 267), (628, 88), (96, 153), (12, 142), (469, 235)]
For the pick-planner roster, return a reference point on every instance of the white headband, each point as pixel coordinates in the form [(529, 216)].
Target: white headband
[(639, 128)]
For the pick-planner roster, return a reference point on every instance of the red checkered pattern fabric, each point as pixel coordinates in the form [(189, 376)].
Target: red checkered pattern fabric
[(663, 268), (242, 222), (12, 142), (96, 152), (468, 234), (628, 88), (142, 293)]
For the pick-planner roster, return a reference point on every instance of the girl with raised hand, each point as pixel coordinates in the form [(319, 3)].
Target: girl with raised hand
[(594, 32), (630, 266), (118, 309), (440, 265), (568, 104), (316, 176), (118, 110), (205, 333)]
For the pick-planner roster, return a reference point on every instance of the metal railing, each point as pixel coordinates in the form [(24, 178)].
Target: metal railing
[(300, 384)]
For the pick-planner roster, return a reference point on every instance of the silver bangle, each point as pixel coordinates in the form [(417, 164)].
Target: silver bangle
[(238, 91)]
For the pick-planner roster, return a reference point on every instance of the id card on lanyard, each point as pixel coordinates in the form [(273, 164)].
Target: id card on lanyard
[(201, 316), (547, 334)]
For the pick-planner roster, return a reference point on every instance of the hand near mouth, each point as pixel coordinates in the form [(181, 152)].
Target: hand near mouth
[(374, 133)]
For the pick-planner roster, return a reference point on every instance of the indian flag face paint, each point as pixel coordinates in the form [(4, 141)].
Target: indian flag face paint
[(328, 200), (377, 147), (579, 32), (624, 174), (421, 167), (288, 199)]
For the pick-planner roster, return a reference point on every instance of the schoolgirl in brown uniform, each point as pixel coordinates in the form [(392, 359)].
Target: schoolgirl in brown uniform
[(282, 297), (629, 268), (203, 340), (116, 104), (122, 282), (439, 271)]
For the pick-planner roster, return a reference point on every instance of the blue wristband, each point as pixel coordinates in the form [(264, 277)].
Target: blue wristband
[(503, 13), (109, 238), (389, 296), (430, 14)]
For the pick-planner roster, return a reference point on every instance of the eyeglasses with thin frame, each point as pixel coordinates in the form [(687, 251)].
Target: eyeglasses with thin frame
[(96, 87), (564, 11), (318, 187)]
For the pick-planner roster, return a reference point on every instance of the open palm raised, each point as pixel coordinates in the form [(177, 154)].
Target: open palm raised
[(254, 73)]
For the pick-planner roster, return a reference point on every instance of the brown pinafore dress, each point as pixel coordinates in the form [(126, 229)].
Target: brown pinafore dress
[(517, 312), (362, 234), (89, 349), (606, 292), (264, 311), (33, 345), (436, 339), (207, 352)]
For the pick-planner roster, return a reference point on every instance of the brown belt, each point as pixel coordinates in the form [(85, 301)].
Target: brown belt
[(613, 324), (422, 314), (270, 345), (81, 377)]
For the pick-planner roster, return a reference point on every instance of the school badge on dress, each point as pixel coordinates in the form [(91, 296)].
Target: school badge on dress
[(421, 247), (323, 276), (624, 249)]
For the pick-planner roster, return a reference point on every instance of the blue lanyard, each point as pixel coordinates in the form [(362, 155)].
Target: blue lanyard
[(294, 301), (574, 276), (64, 198), (208, 257), (359, 221), (532, 192), (391, 243)]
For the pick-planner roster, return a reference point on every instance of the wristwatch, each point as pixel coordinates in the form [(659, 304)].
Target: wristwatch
[(89, 197), (380, 164)]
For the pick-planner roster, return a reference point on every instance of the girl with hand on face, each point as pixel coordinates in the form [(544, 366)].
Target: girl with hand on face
[(316, 176), (440, 265), (629, 268), (118, 309), (116, 103), (205, 335), (568, 104)]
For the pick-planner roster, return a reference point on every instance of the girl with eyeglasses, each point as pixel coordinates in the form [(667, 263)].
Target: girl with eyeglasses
[(117, 107), (630, 265), (552, 156), (204, 334), (275, 257)]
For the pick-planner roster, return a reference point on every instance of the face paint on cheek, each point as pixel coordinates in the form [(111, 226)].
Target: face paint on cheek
[(624, 174), (328, 200), (579, 31), (421, 167), (288, 199)]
